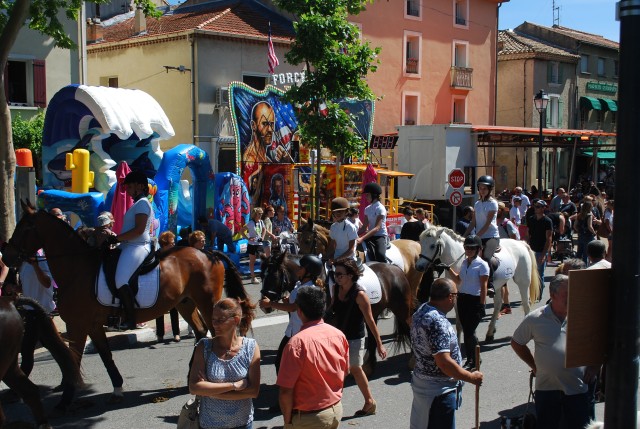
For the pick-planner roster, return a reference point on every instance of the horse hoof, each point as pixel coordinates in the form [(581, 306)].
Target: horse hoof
[(115, 399)]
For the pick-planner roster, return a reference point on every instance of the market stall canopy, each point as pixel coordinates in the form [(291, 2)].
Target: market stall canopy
[(394, 174), (490, 135)]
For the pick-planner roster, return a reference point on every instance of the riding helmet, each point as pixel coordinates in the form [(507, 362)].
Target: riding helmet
[(372, 188), (136, 177), (487, 181), (339, 203), (472, 241), (312, 264)]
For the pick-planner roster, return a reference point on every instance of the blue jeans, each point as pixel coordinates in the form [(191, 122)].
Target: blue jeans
[(541, 268), (431, 408), (552, 405), (583, 240), (442, 414)]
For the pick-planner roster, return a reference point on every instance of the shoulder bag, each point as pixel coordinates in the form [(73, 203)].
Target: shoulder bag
[(189, 417)]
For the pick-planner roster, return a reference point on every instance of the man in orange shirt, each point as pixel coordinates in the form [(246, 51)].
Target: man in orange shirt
[(313, 366)]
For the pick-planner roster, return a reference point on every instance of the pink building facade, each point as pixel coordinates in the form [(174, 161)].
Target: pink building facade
[(438, 61)]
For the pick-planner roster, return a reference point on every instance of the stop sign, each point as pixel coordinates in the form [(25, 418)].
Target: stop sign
[(456, 178)]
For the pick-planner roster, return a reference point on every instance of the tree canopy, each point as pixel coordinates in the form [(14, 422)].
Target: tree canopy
[(337, 63)]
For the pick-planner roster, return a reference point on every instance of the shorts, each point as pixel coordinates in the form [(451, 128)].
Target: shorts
[(254, 249), (356, 352)]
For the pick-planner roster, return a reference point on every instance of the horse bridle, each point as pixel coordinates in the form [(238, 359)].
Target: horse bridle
[(437, 253), (285, 278)]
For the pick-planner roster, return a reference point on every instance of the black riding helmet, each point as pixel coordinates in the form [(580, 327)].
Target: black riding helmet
[(372, 188), (137, 177), (487, 181), (473, 241), (312, 264)]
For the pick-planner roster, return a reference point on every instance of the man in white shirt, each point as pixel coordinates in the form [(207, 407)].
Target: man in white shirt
[(517, 192), (596, 251)]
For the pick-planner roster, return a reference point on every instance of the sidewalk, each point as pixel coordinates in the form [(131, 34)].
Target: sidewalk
[(123, 339)]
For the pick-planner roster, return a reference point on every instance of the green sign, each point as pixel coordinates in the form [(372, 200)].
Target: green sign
[(602, 87)]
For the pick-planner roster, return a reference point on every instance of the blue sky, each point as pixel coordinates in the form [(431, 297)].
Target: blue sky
[(592, 16)]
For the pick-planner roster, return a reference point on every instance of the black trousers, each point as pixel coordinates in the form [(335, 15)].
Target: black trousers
[(379, 246), (470, 312), (283, 343), (175, 323)]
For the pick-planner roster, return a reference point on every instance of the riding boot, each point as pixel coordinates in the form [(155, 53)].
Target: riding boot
[(126, 298), (491, 291)]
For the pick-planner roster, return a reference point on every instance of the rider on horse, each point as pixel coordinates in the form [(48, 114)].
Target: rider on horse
[(374, 226), (343, 232), (485, 223), (135, 241)]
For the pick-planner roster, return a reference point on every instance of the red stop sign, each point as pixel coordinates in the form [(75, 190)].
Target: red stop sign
[(456, 178)]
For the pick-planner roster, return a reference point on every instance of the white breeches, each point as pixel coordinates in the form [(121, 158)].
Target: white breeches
[(130, 259)]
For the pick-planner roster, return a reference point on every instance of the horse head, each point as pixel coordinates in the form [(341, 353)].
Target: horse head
[(275, 277), (312, 238), (430, 247), (24, 242)]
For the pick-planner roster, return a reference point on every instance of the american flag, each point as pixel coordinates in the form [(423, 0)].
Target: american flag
[(272, 58)]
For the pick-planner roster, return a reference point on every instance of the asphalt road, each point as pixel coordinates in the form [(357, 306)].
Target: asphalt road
[(155, 383)]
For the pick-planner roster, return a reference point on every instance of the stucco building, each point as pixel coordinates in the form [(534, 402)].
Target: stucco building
[(186, 60)]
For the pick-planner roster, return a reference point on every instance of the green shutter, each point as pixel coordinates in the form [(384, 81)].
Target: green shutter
[(549, 71), (560, 73), (548, 114), (560, 112)]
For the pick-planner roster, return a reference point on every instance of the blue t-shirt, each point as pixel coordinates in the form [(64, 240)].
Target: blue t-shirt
[(432, 333)]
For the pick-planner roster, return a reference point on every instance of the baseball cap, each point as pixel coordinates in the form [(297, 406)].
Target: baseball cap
[(516, 199), (540, 203), (103, 220)]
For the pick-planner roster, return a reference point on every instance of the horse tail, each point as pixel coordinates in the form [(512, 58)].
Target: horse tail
[(232, 280), (66, 358), (534, 286), (401, 335)]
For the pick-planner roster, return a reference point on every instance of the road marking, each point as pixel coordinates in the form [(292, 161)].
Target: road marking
[(269, 321)]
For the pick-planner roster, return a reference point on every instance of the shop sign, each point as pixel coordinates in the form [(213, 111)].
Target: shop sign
[(288, 78), (602, 87)]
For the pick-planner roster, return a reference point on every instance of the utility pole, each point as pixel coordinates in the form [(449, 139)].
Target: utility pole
[(622, 364)]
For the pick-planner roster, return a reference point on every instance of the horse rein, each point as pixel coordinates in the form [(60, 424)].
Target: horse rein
[(432, 261)]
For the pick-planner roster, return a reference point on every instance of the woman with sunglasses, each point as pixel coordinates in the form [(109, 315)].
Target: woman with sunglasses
[(225, 371), (472, 294), (352, 310)]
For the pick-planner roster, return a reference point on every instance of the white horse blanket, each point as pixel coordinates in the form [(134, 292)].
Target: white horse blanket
[(148, 288), (394, 255)]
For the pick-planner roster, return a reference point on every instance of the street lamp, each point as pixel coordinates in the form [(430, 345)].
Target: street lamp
[(540, 100)]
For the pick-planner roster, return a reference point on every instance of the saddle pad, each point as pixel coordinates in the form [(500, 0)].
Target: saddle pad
[(394, 255), (370, 282), (506, 268), (148, 287)]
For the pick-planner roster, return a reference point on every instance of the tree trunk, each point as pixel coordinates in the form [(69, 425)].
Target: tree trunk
[(18, 16)]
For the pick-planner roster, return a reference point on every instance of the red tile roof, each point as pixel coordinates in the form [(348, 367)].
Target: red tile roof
[(581, 36), (239, 18), (517, 44)]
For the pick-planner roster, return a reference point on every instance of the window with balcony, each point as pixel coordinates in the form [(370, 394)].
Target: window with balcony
[(584, 64), (461, 13), (413, 9), (412, 53), (459, 110), (554, 72), (410, 108), (601, 66), (25, 83), (461, 73)]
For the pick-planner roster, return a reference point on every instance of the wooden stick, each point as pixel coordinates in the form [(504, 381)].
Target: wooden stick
[(477, 388)]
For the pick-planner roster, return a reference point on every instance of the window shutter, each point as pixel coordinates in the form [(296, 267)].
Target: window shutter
[(560, 73), (39, 83), (549, 71), (560, 112), (548, 114)]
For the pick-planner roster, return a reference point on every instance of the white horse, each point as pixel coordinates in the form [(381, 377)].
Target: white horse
[(517, 261)]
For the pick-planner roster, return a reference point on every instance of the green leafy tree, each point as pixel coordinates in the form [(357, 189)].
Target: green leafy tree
[(27, 134), (337, 63), (41, 16)]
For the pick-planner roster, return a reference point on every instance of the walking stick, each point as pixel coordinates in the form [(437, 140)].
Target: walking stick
[(477, 388)]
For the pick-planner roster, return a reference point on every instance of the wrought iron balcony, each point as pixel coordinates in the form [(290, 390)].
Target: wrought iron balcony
[(412, 65), (461, 77)]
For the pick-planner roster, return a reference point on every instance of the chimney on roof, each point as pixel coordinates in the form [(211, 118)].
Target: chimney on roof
[(95, 30), (139, 21)]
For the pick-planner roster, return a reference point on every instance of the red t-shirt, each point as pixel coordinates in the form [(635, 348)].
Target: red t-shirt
[(314, 363)]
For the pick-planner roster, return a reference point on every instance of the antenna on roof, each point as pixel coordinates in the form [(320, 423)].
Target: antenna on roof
[(556, 14)]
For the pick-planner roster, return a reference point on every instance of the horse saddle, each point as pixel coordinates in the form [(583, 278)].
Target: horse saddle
[(393, 254), (146, 276)]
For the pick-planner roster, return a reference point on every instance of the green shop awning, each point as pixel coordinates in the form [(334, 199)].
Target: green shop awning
[(608, 104), (590, 103), (601, 154)]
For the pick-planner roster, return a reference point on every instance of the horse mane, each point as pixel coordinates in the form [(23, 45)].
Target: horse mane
[(451, 233), (435, 231)]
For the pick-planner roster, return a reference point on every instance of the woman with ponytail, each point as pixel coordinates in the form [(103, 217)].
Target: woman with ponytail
[(225, 371)]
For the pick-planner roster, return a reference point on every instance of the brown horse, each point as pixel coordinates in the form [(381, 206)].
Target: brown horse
[(314, 239), (279, 274), (11, 332), (185, 272)]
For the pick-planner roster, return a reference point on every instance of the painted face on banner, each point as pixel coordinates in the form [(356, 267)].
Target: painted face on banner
[(263, 123)]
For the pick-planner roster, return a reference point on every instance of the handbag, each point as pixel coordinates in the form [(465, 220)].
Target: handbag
[(189, 418), (524, 421)]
